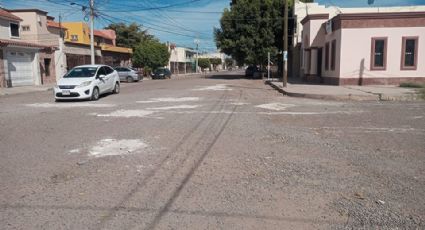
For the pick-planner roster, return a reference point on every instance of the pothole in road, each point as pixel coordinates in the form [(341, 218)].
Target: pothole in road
[(175, 107), (127, 113), (114, 147), (275, 106), (218, 87), (171, 99)]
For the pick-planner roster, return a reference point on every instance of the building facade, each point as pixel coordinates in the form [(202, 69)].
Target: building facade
[(364, 48), (182, 60), (20, 60), (361, 46), (77, 46)]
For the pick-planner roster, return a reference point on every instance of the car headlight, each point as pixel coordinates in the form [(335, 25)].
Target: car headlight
[(84, 84)]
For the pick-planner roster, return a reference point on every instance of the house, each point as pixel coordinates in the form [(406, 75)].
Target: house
[(39, 28), (77, 46), (361, 46), (182, 60), (216, 55), (19, 59)]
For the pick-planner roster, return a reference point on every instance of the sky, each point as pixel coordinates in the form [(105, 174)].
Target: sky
[(175, 21)]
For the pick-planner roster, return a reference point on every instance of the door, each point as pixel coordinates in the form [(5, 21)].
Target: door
[(123, 73), (110, 77), (20, 68), (102, 82), (319, 62)]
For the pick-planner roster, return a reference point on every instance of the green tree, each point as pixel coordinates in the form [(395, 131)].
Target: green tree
[(215, 62), (229, 62), (252, 28), (151, 53), (129, 35), (204, 63)]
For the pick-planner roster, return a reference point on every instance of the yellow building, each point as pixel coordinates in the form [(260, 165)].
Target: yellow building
[(78, 33)]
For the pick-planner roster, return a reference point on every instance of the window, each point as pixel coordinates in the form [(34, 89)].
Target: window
[(108, 70), (327, 56), (101, 71), (333, 55), (409, 53), (47, 67), (74, 37), (14, 30), (379, 54), (26, 28)]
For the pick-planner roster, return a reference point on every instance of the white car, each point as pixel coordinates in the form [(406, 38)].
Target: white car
[(87, 82)]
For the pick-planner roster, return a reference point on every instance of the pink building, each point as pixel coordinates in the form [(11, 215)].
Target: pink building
[(364, 48)]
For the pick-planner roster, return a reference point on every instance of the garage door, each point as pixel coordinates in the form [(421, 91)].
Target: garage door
[(20, 68)]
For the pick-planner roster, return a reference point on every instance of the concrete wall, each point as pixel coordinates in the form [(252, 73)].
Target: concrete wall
[(2, 72), (39, 32), (356, 53), (336, 35)]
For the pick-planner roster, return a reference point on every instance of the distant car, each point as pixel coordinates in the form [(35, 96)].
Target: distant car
[(128, 74), (161, 73), (249, 72), (87, 82)]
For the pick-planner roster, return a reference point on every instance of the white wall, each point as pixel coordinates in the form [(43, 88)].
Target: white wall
[(34, 62), (4, 29), (357, 47)]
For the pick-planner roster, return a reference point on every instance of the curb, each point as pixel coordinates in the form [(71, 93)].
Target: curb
[(26, 92), (348, 97)]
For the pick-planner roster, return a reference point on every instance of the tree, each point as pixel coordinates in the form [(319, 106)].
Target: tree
[(229, 62), (204, 63), (215, 62), (151, 53), (250, 29), (129, 35)]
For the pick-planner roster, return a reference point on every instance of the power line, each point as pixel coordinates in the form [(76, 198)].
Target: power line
[(134, 8)]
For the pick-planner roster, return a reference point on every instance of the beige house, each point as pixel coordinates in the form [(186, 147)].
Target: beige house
[(39, 28), (19, 59), (364, 48)]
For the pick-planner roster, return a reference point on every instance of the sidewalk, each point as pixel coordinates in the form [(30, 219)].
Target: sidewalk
[(25, 89), (355, 93)]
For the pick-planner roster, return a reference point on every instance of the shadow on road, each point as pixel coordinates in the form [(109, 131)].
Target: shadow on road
[(230, 77)]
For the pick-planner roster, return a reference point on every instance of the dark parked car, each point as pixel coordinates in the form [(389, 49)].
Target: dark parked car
[(249, 72), (161, 73), (128, 74)]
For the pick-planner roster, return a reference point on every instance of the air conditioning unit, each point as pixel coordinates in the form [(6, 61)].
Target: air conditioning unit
[(38, 19)]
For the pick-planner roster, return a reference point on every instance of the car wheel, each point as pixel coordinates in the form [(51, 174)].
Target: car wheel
[(116, 88), (130, 79), (95, 95)]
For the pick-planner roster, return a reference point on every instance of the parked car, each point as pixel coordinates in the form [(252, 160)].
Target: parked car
[(250, 70), (161, 73), (87, 82), (128, 74)]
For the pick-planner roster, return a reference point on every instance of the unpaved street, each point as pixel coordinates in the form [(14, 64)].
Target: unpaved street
[(210, 153)]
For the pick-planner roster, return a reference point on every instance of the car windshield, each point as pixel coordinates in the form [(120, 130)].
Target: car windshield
[(81, 72), (159, 71)]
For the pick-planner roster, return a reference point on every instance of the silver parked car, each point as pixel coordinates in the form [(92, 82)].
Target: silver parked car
[(128, 74)]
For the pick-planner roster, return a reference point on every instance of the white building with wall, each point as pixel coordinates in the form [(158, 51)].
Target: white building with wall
[(182, 59)]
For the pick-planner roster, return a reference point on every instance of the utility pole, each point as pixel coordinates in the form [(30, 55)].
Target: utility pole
[(285, 44), (197, 54), (268, 66), (92, 31)]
